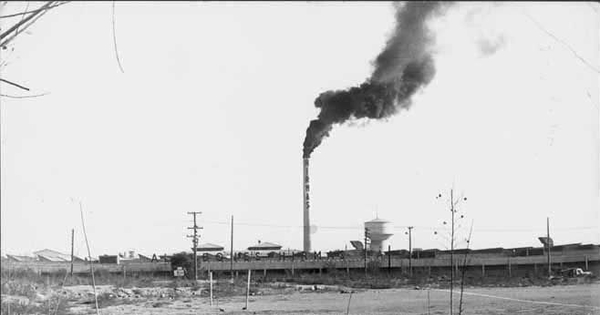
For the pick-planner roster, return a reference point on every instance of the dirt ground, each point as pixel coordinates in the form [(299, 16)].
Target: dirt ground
[(306, 300)]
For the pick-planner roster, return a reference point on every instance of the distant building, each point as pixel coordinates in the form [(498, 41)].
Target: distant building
[(209, 247), (266, 246), (18, 258), (109, 259), (48, 255), (263, 249)]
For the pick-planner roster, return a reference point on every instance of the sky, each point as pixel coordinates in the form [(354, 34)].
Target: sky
[(211, 109)]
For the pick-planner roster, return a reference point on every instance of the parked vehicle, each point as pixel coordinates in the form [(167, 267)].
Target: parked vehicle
[(576, 273)]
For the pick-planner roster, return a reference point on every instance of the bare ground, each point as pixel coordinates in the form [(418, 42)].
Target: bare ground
[(564, 299)]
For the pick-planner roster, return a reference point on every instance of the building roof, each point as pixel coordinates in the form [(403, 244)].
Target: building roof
[(144, 258), (19, 258), (265, 246), (54, 256), (209, 247)]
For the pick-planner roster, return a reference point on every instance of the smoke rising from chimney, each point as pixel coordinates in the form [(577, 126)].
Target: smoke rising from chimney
[(404, 66)]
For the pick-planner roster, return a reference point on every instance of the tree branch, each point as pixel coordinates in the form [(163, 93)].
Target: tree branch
[(32, 11), (12, 83), (22, 29), (115, 38), (25, 20), (22, 17), (23, 96), (40, 12)]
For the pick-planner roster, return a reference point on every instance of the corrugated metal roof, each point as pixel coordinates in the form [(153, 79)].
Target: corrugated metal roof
[(51, 258), (52, 255), (19, 258)]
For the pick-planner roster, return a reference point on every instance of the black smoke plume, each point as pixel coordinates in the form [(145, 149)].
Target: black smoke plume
[(404, 66)]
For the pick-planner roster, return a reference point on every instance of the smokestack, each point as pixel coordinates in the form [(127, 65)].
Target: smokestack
[(306, 207), (403, 67)]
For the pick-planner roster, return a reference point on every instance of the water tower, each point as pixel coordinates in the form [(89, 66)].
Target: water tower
[(379, 231)]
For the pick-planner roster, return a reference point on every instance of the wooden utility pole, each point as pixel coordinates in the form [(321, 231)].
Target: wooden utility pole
[(72, 245), (231, 253), (548, 244), (195, 242), (410, 250), (389, 259), (367, 236), (451, 248)]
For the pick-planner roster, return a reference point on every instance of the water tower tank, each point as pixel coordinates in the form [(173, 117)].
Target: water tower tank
[(379, 230)]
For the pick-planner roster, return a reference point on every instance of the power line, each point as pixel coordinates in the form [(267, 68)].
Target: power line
[(410, 249), (577, 55), (401, 227)]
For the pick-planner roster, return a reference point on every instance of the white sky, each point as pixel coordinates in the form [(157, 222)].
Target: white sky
[(211, 113)]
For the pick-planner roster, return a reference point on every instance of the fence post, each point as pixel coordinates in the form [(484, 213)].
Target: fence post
[(482, 269), (211, 286), (248, 290), (456, 265), (586, 263)]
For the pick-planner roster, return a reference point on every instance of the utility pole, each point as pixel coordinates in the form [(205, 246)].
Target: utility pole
[(195, 242), (410, 249), (548, 244), (72, 243), (367, 237), (451, 248), (231, 254), (389, 259)]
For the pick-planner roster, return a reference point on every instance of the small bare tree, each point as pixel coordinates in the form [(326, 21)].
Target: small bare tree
[(453, 202)]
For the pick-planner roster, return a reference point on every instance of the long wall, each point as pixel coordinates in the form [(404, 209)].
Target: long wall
[(84, 268), (583, 259)]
